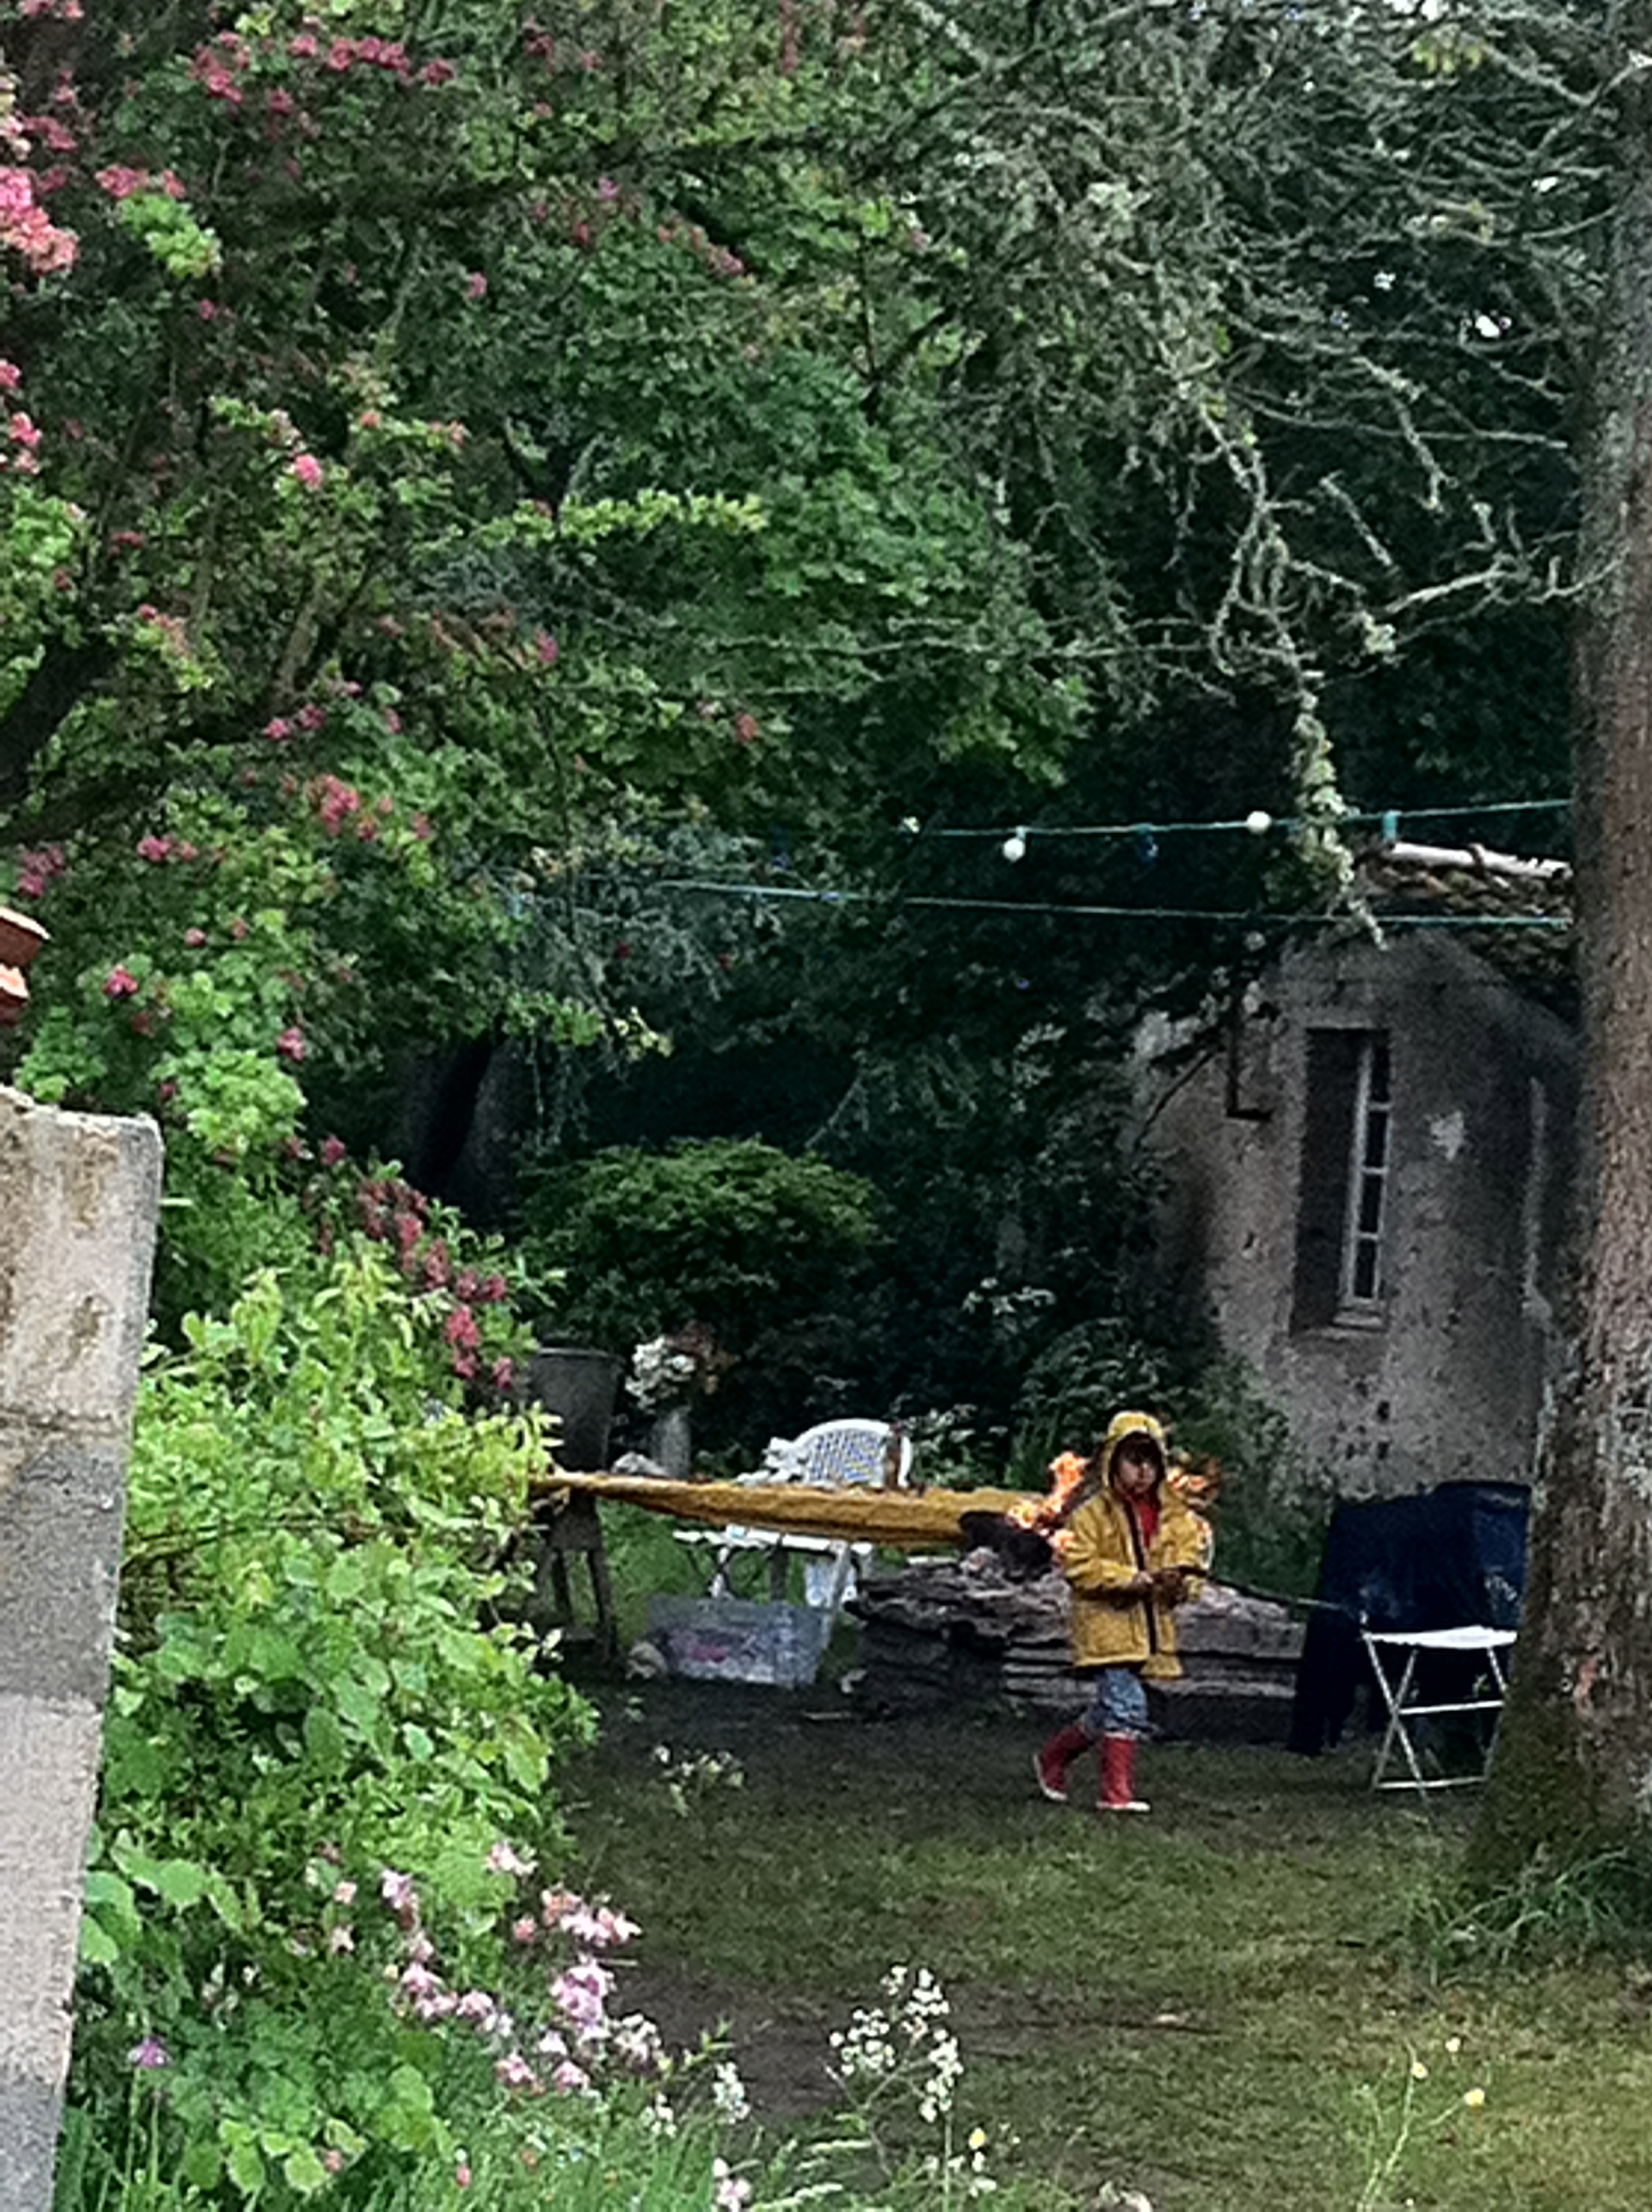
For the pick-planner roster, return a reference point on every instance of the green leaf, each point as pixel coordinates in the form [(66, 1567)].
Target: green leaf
[(98, 1947), (358, 1705), (324, 1739), (104, 1888), (181, 1882), (304, 2171), (346, 1578), (178, 1883), (245, 2167), (202, 2165)]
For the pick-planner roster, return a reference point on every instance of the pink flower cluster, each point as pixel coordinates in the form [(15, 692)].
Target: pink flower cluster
[(120, 182), (36, 867), (461, 1331), (159, 850), (309, 717), (717, 258), (579, 2033), (28, 230), (49, 131), (597, 1926), (335, 803), (339, 56), (66, 11), (392, 1213), (172, 636), (540, 44), (23, 435), (344, 54), (220, 65)]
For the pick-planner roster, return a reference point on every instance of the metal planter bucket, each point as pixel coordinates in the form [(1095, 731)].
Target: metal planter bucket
[(576, 1382)]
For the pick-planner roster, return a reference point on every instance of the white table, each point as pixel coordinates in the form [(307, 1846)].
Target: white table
[(1397, 1738)]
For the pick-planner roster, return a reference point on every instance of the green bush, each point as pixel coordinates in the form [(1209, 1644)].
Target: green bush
[(307, 1686), (1073, 1388), (730, 1232), (1273, 1509)]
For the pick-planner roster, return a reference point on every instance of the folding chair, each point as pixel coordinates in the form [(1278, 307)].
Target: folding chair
[(1397, 1696)]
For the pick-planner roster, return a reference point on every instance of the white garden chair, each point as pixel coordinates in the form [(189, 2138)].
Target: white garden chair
[(833, 1454)]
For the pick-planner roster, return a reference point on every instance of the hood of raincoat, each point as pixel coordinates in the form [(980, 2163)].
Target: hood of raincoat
[(1132, 1425)]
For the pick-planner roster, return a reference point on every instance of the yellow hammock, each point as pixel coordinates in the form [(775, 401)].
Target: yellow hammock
[(899, 1518)]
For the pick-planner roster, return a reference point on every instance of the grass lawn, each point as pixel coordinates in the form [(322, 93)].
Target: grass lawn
[(1216, 2005)]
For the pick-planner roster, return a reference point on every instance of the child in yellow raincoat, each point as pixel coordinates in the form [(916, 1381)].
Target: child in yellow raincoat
[(1132, 1551)]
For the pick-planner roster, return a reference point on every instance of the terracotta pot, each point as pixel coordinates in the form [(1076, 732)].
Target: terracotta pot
[(21, 938)]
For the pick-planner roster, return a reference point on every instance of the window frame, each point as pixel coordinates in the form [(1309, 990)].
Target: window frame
[(1362, 1294), (1343, 1193)]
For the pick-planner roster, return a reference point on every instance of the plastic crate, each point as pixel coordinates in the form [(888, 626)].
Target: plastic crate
[(736, 1639)]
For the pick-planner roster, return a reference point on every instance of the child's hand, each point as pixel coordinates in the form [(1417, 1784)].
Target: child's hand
[(1168, 1583)]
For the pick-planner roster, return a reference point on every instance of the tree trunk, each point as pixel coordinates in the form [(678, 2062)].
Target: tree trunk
[(1574, 1765)]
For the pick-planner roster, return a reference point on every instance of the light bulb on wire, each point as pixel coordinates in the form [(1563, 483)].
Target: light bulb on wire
[(1014, 847)]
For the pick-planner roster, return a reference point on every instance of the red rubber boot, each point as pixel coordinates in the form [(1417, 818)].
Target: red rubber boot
[(1052, 1760), (1118, 1763)]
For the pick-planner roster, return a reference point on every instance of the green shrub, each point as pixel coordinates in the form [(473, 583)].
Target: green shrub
[(1072, 1390), (1273, 1509), (730, 1232), (305, 1680)]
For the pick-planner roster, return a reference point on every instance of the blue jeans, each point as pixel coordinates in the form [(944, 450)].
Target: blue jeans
[(1119, 1706)]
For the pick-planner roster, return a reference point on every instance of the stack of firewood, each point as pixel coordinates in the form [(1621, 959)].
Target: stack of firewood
[(939, 1632)]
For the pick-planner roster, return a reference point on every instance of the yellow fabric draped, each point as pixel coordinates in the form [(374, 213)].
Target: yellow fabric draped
[(857, 1514)]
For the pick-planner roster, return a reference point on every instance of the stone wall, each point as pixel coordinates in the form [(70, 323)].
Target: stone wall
[(78, 1204)]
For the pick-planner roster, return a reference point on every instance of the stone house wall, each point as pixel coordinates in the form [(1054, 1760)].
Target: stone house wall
[(1439, 1374)]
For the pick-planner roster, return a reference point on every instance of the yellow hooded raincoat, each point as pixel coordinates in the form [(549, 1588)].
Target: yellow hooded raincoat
[(1102, 1552)]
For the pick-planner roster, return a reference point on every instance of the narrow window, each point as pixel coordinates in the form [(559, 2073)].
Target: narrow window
[(1367, 1178), (1343, 1198)]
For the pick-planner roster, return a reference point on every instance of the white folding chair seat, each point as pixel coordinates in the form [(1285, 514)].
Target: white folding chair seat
[(1403, 1709)]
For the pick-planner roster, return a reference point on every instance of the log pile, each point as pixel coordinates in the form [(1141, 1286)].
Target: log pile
[(949, 1633)]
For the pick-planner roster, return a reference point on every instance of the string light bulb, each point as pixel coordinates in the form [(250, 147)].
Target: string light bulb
[(1014, 847), (1259, 822)]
